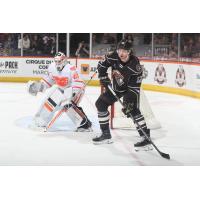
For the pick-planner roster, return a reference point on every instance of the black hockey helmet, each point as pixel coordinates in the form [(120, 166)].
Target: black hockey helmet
[(124, 44)]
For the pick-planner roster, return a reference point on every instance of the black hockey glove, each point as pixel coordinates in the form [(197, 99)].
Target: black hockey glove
[(105, 81), (128, 108)]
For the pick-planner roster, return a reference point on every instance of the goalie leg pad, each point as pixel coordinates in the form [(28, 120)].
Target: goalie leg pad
[(86, 124), (75, 117), (44, 116), (49, 106), (77, 95), (79, 118)]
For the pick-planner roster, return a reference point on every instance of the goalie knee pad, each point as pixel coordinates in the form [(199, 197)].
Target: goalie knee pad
[(75, 116)]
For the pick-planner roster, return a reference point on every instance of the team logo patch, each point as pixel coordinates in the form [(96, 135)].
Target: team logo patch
[(118, 77), (160, 74), (139, 67), (61, 81)]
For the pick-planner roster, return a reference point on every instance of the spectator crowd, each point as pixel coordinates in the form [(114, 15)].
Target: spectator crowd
[(164, 45)]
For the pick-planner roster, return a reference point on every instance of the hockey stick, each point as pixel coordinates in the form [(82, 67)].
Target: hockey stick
[(164, 155), (63, 109)]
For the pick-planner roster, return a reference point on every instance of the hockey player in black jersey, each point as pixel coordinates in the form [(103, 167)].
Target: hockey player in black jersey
[(127, 77)]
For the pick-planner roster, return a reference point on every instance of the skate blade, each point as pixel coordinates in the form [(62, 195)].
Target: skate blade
[(84, 130), (144, 148), (108, 141)]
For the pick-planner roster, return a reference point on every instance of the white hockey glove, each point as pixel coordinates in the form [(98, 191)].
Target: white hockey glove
[(34, 87)]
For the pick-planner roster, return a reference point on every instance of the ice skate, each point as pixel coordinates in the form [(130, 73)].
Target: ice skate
[(85, 126), (104, 138), (143, 145)]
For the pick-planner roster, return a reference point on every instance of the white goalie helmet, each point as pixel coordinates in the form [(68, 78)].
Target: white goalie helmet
[(60, 60)]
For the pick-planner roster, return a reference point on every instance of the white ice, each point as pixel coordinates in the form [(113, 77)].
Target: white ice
[(19, 145)]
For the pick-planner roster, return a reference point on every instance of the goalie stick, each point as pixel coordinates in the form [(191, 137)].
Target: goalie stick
[(164, 155), (54, 119)]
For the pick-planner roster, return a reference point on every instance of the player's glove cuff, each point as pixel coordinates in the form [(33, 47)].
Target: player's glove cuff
[(105, 81), (128, 109)]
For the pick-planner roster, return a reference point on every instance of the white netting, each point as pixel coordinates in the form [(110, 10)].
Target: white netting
[(120, 121)]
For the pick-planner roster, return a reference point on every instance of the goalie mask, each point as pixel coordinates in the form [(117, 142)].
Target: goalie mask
[(60, 60)]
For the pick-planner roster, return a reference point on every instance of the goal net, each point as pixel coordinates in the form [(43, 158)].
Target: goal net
[(119, 120)]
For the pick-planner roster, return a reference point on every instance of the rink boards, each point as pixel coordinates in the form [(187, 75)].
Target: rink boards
[(163, 76)]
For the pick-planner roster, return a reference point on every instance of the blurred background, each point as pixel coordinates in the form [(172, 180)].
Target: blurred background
[(154, 46)]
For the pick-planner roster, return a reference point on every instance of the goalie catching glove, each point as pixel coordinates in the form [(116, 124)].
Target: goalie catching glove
[(34, 87)]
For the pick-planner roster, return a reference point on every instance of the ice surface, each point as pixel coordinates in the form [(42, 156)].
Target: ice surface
[(19, 145)]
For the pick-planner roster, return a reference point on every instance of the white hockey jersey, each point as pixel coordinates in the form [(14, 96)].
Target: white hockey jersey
[(65, 87), (68, 77)]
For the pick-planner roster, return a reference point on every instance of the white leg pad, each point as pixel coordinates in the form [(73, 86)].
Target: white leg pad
[(49, 106), (74, 116)]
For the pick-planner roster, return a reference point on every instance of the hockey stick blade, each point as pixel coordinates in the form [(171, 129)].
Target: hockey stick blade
[(165, 155)]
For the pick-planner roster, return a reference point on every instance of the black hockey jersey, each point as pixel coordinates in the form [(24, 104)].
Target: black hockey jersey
[(124, 75)]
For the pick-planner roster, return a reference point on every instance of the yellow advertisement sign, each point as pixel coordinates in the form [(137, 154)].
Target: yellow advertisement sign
[(85, 68)]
